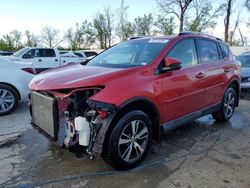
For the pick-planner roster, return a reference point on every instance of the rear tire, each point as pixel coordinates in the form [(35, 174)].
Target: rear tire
[(8, 99), (227, 107), (129, 141)]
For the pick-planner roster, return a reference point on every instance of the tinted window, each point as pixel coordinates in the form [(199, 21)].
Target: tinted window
[(78, 54), (208, 51), (88, 54), (185, 51), (224, 51), (47, 53)]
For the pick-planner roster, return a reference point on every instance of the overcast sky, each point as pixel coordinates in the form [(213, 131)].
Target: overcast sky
[(61, 14)]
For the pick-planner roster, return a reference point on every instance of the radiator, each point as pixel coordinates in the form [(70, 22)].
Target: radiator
[(44, 113)]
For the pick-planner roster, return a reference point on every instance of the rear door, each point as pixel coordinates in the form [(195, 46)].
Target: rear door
[(183, 90), (215, 58)]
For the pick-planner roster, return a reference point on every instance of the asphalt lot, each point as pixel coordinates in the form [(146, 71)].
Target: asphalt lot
[(200, 154)]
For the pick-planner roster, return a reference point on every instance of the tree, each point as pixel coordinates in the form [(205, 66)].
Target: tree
[(143, 24), (13, 40), (80, 37), (227, 7), (204, 18), (165, 26), (123, 28), (109, 22), (100, 27), (50, 36), (3, 45), (31, 39), (175, 7), (103, 26)]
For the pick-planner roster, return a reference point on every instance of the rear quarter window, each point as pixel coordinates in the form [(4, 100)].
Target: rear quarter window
[(224, 51)]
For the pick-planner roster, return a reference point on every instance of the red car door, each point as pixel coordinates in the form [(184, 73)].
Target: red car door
[(183, 90), (216, 70)]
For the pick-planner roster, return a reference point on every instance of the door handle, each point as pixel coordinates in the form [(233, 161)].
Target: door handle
[(56, 60), (39, 60), (200, 75)]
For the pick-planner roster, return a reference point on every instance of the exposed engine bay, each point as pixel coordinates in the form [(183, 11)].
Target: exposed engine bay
[(71, 117)]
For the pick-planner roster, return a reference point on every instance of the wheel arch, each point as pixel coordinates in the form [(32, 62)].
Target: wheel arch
[(19, 95), (143, 104), (236, 85)]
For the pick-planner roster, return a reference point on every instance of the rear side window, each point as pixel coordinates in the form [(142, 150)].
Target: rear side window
[(224, 51), (47, 53), (88, 54), (208, 51), (185, 51)]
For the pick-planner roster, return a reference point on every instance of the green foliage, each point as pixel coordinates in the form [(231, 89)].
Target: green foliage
[(12, 41), (143, 25), (81, 37), (165, 26), (31, 39), (103, 28), (205, 17)]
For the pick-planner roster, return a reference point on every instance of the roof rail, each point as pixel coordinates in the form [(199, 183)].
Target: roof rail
[(197, 33)]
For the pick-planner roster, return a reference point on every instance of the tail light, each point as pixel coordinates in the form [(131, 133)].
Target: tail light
[(29, 70)]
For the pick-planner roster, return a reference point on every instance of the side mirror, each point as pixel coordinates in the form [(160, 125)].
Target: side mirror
[(171, 64)]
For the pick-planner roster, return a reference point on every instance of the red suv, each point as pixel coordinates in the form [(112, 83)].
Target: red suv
[(134, 92)]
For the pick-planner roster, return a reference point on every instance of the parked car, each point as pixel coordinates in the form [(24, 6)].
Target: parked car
[(5, 53), (43, 58), (134, 92), (81, 53), (14, 80), (244, 59)]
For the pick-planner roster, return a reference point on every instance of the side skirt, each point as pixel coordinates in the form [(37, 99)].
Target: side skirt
[(173, 124)]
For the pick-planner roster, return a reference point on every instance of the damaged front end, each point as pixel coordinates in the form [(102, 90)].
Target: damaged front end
[(71, 117)]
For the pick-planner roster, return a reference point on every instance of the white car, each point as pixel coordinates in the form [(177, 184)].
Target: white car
[(14, 80), (43, 58)]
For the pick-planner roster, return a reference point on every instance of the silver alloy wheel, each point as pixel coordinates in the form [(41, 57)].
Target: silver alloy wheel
[(7, 100), (229, 105), (133, 141)]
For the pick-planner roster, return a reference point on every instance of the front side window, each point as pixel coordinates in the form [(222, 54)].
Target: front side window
[(208, 51), (130, 53), (32, 53), (185, 51)]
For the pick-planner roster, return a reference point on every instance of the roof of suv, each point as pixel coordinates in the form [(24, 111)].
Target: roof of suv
[(184, 33)]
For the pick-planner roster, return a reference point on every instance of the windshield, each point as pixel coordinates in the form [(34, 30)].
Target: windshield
[(19, 53), (130, 53), (244, 59)]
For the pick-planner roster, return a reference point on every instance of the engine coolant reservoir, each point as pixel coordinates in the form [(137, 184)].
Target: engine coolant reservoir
[(83, 128)]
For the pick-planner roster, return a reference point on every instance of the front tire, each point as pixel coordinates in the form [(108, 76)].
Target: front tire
[(8, 99), (129, 142), (228, 106)]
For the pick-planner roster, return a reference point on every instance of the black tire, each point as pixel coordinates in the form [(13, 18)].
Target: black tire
[(116, 149), (7, 93), (223, 114)]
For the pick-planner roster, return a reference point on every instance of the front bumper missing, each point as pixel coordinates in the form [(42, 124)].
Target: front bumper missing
[(48, 115)]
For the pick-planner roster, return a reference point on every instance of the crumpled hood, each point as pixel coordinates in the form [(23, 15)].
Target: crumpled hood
[(74, 76)]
